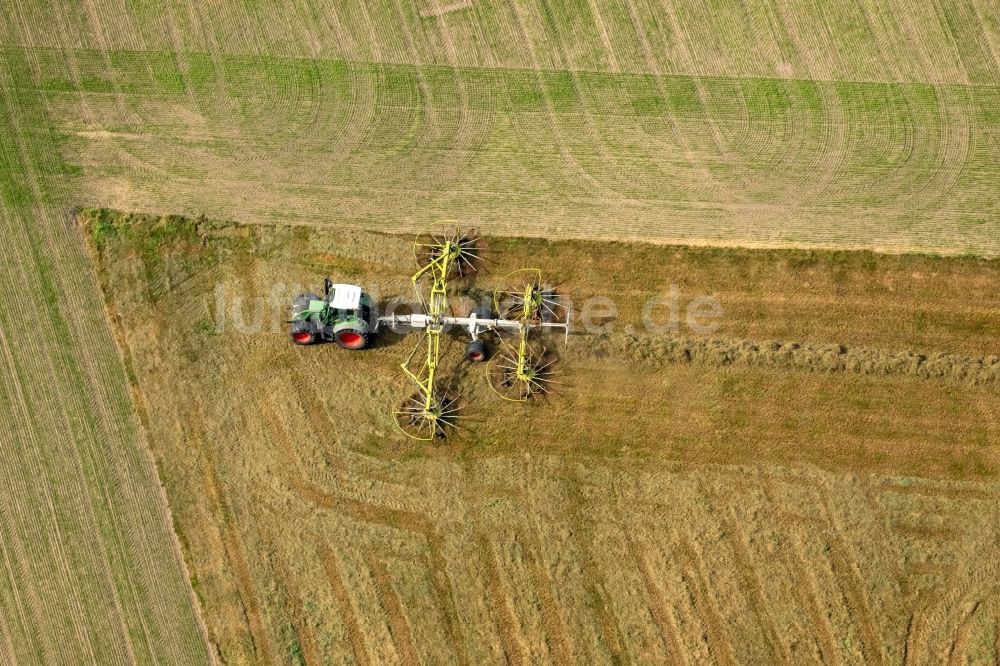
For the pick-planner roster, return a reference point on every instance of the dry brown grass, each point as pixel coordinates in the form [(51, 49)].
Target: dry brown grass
[(769, 123), (655, 511)]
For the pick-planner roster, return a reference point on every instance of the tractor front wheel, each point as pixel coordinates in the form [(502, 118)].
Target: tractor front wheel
[(303, 333), (350, 338)]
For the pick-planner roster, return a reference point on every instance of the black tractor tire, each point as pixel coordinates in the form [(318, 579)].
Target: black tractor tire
[(476, 351), (304, 332), (352, 339)]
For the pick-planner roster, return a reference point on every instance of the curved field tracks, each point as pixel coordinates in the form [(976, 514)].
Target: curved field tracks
[(90, 570), (774, 124), (720, 509), (860, 125)]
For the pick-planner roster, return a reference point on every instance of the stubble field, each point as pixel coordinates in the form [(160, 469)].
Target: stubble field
[(833, 125), (722, 506), (863, 125)]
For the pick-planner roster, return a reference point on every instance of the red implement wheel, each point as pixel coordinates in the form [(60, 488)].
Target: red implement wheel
[(476, 351)]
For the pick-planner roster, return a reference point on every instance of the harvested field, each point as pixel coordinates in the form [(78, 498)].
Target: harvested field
[(651, 157), (656, 510), (90, 571), (863, 125), (764, 124)]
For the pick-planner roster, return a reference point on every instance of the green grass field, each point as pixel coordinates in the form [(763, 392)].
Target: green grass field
[(836, 125), (855, 126)]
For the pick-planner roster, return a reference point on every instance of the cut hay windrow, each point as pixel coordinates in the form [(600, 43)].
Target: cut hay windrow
[(679, 498), (829, 358), (672, 512)]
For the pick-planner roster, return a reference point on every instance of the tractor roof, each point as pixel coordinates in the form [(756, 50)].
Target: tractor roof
[(345, 296)]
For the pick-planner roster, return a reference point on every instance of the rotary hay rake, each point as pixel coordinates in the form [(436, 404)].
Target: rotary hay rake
[(524, 306)]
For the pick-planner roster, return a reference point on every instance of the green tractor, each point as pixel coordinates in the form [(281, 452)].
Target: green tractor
[(344, 314)]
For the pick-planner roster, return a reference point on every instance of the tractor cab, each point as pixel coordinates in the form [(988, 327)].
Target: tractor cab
[(344, 314)]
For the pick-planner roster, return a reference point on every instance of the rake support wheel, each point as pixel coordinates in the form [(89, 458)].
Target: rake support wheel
[(476, 351)]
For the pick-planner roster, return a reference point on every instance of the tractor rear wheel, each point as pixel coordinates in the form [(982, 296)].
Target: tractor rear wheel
[(476, 351), (351, 338), (303, 332)]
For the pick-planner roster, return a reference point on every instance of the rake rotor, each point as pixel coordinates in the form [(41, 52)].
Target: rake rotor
[(428, 416), (457, 253), (527, 297), (522, 373), (526, 304), (431, 412)]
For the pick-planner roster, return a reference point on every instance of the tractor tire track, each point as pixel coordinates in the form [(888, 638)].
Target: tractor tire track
[(504, 616), (297, 614), (623, 178), (7, 654), (692, 66), (232, 544), (960, 646), (374, 112), (23, 612), (808, 597), (90, 423), (593, 8), (374, 507), (937, 489), (945, 618), (406, 521), (399, 625), (804, 588), (355, 634), (850, 582), (907, 657), (348, 138), (660, 611), (752, 587), (715, 627), (424, 128), (30, 610), (595, 582), (558, 640), (996, 641), (713, 186), (93, 116), (474, 126), (438, 10), (883, 522), (316, 416), (593, 184), (831, 153), (852, 588), (437, 565)]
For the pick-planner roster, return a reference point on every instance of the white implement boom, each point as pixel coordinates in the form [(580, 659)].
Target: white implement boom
[(473, 324)]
